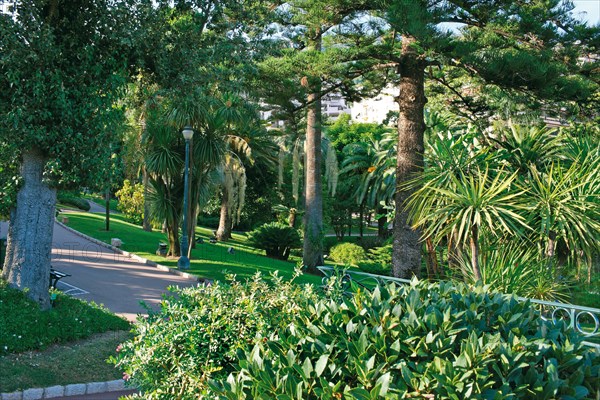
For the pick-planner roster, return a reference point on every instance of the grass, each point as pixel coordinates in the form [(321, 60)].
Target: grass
[(101, 200), (77, 362), (211, 261), (24, 327)]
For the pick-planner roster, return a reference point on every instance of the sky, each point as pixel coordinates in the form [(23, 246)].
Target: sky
[(589, 10)]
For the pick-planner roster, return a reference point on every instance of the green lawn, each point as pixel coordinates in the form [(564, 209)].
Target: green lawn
[(211, 261)]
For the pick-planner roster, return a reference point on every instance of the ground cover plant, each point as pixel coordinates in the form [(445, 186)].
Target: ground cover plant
[(424, 340), (209, 260), (23, 326), (196, 334), (73, 362)]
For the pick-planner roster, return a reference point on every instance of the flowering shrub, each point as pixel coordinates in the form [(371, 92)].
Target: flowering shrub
[(197, 333), (348, 253)]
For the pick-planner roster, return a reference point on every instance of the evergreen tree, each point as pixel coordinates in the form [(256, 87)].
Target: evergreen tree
[(61, 67), (534, 47)]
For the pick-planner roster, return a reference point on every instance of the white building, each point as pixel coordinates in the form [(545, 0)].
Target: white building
[(4, 7), (376, 109), (333, 105)]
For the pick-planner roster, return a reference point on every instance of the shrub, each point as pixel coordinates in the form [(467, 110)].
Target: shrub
[(348, 253), (69, 199), (197, 333), (276, 239), (131, 201), (423, 340)]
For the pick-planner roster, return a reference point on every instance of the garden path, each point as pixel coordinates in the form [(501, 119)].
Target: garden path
[(105, 277)]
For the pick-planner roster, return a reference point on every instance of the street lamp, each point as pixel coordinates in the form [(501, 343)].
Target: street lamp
[(184, 261)]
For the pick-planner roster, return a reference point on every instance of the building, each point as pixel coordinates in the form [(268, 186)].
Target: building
[(375, 110)]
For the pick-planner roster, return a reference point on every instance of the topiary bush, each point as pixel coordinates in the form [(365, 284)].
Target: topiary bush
[(196, 334), (442, 341), (348, 253), (276, 239)]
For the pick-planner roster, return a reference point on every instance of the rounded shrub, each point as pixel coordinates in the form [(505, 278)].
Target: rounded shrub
[(71, 200), (348, 253), (196, 334), (442, 341), (276, 239)]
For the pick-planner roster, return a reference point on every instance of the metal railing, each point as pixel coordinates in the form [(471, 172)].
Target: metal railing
[(585, 320)]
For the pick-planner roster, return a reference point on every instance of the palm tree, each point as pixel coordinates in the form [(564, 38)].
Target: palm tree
[(479, 201)]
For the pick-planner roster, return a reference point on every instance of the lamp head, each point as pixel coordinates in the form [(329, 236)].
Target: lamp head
[(187, 132)]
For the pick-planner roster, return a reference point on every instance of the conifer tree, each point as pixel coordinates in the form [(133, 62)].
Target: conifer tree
[(537, 47)]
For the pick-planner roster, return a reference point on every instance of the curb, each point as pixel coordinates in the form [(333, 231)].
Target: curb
[(133, 256), (77, 389)]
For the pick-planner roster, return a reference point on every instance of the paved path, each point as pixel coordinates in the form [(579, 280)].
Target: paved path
[(106, 277)]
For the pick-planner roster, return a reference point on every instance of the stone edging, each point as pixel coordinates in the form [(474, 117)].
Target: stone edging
[(131, 255), (77, 389)]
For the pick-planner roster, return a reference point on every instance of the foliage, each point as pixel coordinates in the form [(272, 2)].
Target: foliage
[(25, 327), (511, 267), (70, 199), (348, 253), (420, 340), (131, 201), (197, 332), (276, 239)]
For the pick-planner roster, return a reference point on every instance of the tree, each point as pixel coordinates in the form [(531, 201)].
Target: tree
[(61, 68), (532, 47)]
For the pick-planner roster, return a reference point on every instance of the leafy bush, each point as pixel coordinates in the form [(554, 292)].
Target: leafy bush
[(276, 239), (131, 201), (197, 333), (423, 340), (24, 327), (375, 267), (348, 253), (69, 199)]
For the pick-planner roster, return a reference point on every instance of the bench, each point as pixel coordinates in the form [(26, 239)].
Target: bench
[(55, 276)]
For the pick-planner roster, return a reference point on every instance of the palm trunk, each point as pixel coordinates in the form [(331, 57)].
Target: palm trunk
[(28, 252), (382, 231), (406, 256), (174, 245), (146, 225), (224, 230), (292, 218), (475, 252), (313, 219), (432, 263)]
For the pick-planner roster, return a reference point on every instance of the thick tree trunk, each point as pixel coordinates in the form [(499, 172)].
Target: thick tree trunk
[(224, 230), (475, 252), (146, 225), (27, 264), (313, 218), (406, 256)]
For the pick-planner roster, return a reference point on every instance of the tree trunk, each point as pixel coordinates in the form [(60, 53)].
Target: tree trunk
[(224, 230), (361, 218), (174, 245), (146, 225), (382, 230), (292, 217), (107, 209), (475, 252), (29, 247), (432, 263), (313, 218), (406, 256)]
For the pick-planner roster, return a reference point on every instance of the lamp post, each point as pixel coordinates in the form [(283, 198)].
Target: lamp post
[(184, 261)]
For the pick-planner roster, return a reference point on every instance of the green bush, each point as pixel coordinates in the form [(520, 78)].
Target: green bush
[(24, 327), (423, 340), (348, 253), (197, 333), (276, 239), (131, 201), (69, 199)]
